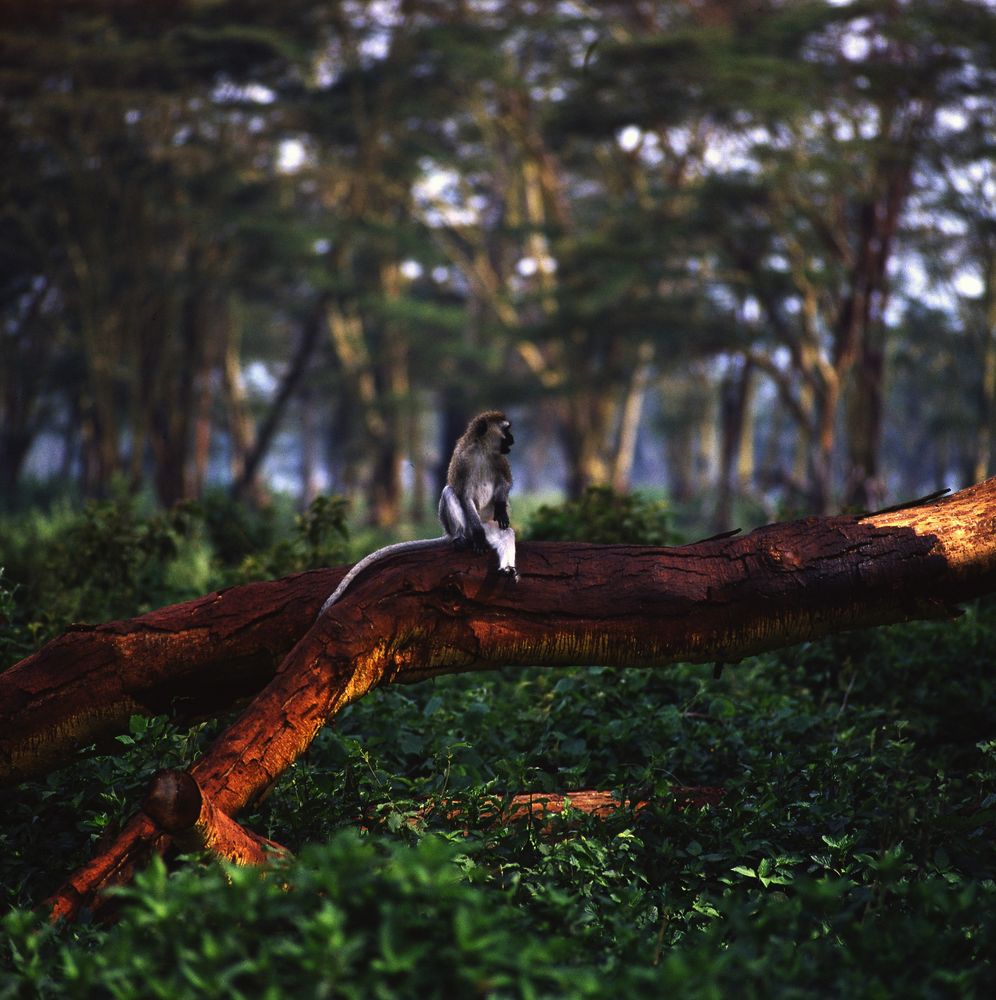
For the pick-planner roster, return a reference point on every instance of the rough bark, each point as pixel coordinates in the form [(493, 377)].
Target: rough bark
[(190, 660), (437, 612)]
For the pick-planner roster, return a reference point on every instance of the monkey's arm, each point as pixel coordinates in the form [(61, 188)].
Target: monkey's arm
[(501, 514), (500, 502)]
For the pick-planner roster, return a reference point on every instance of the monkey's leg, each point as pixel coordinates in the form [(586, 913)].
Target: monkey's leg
[(451, 515), (502, 540)]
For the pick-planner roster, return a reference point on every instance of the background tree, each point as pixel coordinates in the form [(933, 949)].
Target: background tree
[(350, 219)]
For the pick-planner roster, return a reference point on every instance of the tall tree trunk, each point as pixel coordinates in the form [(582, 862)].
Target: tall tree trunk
[(821, 469), (680, 454), (869, 299), (356, 417), (454, 412), (866, 490), (707, 461), (585, 435), (180, 365), (987, 388), (99, 438), (311, 330), (309, 447), (394, 396), (419, 506), (735, 394), (745, 446), (22, 360), (15, 443), (205, 391), (240, 426), (629, 426), (385, 489)]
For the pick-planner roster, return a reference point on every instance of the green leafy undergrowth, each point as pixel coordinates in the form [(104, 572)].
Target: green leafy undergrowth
[(319, 537), (852, 853), (356, 917), (108, 560), (119, 558), (53, 825), (605, 517), (367, 917)]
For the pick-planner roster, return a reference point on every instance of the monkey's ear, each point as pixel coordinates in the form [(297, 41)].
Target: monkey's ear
[(480, 427)]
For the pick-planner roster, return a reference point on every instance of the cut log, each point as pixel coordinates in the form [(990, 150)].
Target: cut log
[(542, 807)]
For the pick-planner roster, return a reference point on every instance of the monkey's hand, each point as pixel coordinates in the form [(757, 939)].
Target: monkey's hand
[(501, 515), (478, 540)]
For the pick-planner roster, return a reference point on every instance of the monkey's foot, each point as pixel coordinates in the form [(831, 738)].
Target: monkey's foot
[(510, 573)]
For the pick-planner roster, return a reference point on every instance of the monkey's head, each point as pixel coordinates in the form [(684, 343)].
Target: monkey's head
[(494, 430)]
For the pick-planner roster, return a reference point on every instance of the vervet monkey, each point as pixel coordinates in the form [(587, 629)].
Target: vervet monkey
[(473, 507)]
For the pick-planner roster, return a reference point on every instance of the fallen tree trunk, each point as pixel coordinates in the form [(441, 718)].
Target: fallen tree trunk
[(439, 612)]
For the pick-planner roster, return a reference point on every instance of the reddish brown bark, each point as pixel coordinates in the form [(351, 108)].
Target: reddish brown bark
[(436, 612), (190, 660), (131, 850), (543, 806)]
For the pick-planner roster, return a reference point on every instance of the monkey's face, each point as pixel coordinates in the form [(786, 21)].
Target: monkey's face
[(506, 438)]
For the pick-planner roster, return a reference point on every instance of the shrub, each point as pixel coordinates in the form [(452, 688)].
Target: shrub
[(116, 559), (604, 517)]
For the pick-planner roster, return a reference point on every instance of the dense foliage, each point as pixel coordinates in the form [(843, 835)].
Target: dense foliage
[(604, 517), (852, 853)]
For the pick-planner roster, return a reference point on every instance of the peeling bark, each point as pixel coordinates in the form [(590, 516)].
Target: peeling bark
[(435, 612)]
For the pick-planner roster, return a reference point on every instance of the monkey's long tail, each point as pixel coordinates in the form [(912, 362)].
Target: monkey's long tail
[(387, 550)]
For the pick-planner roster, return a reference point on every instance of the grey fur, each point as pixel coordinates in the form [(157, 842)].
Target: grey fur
[(473, 507)]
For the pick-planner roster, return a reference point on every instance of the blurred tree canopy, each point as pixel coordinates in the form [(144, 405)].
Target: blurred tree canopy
[(743, 251)]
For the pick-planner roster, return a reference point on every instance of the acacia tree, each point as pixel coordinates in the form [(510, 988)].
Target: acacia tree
[(136, 219), (571, 247), (557, 201), (820, 119), (964, 249), (826, 207), (390, 324)]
